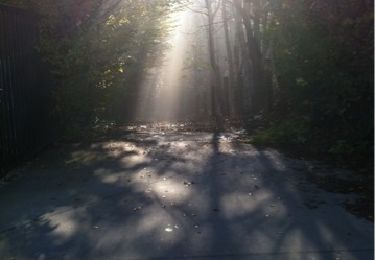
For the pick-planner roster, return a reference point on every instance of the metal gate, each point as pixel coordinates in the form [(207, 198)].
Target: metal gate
[(25, 87)]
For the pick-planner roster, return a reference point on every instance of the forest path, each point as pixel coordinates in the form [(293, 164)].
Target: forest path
[(157, 195)]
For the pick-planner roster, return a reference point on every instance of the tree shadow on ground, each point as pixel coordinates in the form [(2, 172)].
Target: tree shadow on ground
[(173, 196)]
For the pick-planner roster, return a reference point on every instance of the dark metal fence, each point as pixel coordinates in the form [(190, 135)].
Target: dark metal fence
[(25, 124)]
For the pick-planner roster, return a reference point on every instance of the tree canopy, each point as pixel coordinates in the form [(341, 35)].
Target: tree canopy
[(305, 66)]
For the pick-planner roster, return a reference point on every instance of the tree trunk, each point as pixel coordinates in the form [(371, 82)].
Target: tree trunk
[(228, 44), (215, 73), (255, 56), (243, 61)]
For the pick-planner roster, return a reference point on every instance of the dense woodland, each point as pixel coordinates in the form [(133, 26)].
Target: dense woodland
[(304, 69)]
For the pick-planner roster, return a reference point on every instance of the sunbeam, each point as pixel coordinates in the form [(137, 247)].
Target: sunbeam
[(186, 129), (161, 89)]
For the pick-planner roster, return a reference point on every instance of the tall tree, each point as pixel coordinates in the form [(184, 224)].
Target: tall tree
[(231, 83), (215, 70)]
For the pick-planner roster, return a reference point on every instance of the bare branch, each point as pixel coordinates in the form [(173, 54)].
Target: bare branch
[(216, 9), (197, 11)]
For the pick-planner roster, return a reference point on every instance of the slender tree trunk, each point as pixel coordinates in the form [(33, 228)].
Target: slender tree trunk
[(228, 44), (215, 73), (255, 56), (243, 61)]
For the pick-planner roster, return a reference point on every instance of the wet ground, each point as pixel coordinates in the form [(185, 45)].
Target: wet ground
[(168, 195)]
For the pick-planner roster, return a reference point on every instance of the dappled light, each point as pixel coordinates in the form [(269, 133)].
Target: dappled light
[(64, 225), (186, 129), (174, 203)]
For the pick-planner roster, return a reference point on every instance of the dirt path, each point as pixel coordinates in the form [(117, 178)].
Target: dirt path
[(175, 195)]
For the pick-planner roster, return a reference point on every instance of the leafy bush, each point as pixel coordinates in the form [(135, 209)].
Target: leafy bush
[(285, 132), (323, 54)]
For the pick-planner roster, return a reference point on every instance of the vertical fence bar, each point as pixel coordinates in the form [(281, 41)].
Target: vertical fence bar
[(24, 98), (3, 140)]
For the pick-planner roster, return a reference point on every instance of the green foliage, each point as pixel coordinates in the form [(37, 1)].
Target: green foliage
[(323, 55), (289, 132), (98, 50), (101, 59)]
